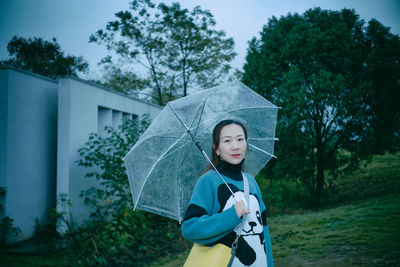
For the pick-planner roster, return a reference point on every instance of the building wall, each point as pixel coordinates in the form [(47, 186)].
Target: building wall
[(29, 145), (43, 123), (3, 137), (84, 108)]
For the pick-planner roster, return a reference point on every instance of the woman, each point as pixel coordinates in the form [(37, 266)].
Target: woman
[(213, 215)]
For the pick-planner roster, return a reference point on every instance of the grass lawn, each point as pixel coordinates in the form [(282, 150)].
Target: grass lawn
[(365, 233), (362, 230), (19, 260)]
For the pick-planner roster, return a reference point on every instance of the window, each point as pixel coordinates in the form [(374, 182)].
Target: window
[(111, 117)]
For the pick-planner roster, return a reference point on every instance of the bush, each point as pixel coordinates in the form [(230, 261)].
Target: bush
[(284, 196), (8, 232), (378, 176), (114, 235)]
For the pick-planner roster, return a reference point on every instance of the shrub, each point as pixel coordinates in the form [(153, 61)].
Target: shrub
[(115, 235), (8, 232)]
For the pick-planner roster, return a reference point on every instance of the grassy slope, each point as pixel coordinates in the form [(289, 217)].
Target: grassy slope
[(364, 230), (363, 233), (14, 260)]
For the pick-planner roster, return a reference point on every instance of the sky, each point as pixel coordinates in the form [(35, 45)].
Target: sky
[(71, 22)]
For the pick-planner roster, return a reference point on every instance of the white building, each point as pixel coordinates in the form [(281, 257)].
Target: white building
[(43, 123)]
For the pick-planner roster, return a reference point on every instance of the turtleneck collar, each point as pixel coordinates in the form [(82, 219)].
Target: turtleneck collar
[(231, 170)]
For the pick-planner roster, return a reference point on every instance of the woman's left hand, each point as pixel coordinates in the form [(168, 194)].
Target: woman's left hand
[(241, 209)]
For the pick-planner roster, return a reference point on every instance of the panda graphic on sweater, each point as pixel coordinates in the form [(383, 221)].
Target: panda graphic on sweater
[(251, 245)]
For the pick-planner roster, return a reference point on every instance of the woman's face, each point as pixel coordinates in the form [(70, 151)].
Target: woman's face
[(232, 144)]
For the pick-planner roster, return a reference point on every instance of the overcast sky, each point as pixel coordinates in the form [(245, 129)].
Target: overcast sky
[(72, 21)]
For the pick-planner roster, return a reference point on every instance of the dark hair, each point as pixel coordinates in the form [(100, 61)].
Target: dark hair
[(216, 139)]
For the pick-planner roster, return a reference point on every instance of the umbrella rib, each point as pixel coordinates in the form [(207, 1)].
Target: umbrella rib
[(223, 114), (255, 147), (264, 138), (218, 117), (154, 165), (165, 153), (176, 115), (204, 153), (188, 131), (263, 151), (201, 113), (183, 153), (212, 119)]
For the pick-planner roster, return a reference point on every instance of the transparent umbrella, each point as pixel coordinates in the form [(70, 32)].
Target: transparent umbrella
[(166, 162)]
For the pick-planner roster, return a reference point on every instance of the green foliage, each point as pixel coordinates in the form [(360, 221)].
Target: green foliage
[(284, 197), (318, 68), (197, 52), (8, 232), (123, 81), (103, 156), (3, 191), (42, 57), (128, 240), (178, 47), (381, 75), (115, 235), (378, 178)]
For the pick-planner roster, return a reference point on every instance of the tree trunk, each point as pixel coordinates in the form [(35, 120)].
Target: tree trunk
[(320, 172), (320, 182), (320, 157)]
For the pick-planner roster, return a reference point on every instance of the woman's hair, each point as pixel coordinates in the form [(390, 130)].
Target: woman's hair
[(215, 159)]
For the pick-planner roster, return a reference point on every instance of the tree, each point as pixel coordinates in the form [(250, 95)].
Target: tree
[(42, 57), (195, 48), (177, 47), (382, 79), (313, 66)]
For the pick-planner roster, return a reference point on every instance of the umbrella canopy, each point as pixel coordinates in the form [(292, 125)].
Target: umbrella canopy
[(165, 163)]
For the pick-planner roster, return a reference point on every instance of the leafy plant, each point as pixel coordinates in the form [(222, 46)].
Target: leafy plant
[(3, 191), (8, 232), (115, 235)]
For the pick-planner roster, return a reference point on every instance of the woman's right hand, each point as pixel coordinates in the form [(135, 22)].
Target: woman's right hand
[(240, 208)]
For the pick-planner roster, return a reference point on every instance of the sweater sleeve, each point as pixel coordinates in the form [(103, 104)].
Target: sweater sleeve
[(202, 223), (210, 228)]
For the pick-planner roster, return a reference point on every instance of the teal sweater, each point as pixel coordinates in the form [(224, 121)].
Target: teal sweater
[(211, 218)]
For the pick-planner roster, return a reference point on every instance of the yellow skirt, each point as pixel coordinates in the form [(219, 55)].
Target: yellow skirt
[(203, 256)]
